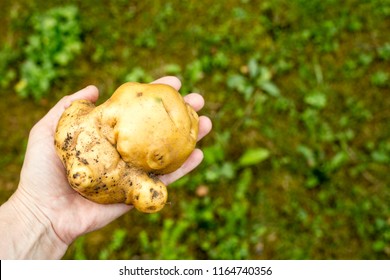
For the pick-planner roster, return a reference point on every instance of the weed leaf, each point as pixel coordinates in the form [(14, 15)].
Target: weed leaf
[(254, 156)]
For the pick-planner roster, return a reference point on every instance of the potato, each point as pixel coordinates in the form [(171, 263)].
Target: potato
[(113, 153)]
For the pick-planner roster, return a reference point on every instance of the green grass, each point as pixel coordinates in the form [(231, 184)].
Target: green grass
[(297, 164)]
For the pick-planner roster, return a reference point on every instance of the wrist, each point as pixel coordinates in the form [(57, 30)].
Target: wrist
[(28, 231)]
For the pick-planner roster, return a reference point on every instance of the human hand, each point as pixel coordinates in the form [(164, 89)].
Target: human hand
[(44, 188)]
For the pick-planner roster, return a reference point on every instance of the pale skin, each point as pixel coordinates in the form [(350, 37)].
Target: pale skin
[(45, 215)]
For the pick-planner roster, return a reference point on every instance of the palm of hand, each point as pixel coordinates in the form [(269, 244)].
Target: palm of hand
[(43, 178)]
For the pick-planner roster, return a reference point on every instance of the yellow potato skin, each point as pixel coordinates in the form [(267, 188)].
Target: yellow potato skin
[(113, 152)]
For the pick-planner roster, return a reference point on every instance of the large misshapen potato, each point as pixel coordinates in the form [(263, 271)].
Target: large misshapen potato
[(114, 152)]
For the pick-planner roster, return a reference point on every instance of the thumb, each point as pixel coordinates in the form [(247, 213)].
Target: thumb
[(90, 93)]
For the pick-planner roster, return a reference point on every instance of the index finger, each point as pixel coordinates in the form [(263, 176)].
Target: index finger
[(170, 81)]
